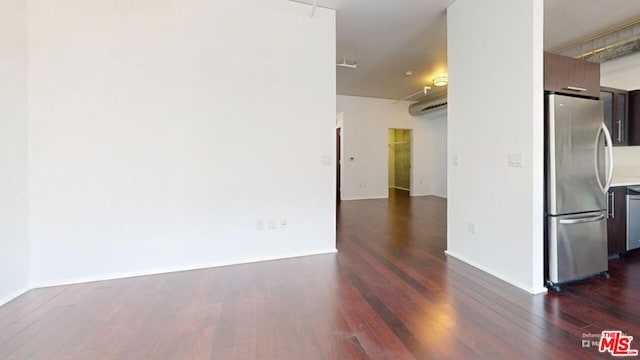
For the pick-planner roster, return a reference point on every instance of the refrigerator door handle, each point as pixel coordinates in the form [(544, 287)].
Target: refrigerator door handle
[(609, 145), (582, 220), (607, 136), (596, 152)]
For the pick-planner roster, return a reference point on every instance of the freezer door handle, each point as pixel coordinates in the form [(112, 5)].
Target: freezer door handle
[(582, 220)]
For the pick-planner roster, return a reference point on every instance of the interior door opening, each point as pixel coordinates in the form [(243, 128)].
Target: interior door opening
[(400, 159), (338, 164)]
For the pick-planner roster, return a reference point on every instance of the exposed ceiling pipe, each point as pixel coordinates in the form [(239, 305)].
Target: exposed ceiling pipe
[(313, 9), (345, 64), (619, 42), (424, 91)]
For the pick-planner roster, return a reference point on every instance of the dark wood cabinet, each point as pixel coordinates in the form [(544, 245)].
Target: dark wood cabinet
[(571, 76), (617, 220), (633, 128), (616, 113)]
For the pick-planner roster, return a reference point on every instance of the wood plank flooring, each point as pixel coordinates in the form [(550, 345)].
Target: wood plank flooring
[(389, 293)]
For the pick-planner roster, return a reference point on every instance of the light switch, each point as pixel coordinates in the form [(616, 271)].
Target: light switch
[(325, 160), (456, 159)]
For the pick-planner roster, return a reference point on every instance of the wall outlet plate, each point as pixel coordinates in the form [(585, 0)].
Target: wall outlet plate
[(472, 227), (516, 160)]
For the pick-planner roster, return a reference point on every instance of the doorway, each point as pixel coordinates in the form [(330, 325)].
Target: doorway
[(400, 159), (338, 164)]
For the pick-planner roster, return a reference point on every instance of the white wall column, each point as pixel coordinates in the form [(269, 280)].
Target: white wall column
[(495, 54)]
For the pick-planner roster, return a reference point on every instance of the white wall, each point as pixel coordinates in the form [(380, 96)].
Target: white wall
[(621, 73), (496, 108), (626, 160), (365, 137), (626, 156), (14, 242), (162, 131)]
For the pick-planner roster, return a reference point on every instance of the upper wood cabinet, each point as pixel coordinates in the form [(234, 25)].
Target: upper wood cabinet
[(571, 76), (615, 103), (633, 129)]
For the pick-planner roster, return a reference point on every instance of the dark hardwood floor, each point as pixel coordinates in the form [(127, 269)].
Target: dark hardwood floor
[(389, 293)]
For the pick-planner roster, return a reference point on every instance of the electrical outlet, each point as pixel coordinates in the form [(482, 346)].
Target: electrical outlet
[(516, 160), (272, 224), (456, 159), (260, 225), (472, 227)]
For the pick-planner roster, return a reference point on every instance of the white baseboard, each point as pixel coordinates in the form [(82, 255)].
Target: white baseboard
[(434, 195), (13, 295), (439, 196), (535, 290), (170, 269), (347, 198), (365, 197)]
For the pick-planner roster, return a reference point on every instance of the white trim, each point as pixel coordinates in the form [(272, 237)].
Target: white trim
[(440, 196), (13, 295), (434, 195), (533, 291), (365, 197), (399, 188), (157, 271), (386, 197)]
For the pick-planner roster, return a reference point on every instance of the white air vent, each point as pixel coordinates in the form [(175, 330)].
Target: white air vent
[(428, 105)]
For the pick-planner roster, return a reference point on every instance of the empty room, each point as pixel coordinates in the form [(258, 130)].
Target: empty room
[(319, 179)]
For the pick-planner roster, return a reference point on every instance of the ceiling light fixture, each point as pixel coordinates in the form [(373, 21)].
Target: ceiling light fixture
[(440, 80), (408, 73)]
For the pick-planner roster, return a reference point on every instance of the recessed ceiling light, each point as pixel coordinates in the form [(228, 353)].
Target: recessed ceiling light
[(408, 73)]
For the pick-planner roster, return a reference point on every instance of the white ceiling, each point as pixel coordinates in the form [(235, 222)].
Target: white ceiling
[(389, 37)]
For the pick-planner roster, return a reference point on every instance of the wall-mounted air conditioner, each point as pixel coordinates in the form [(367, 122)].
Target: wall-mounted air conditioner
[(428, 105)]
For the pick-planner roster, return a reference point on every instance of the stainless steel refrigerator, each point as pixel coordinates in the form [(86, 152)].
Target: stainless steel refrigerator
[(579, 168)]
